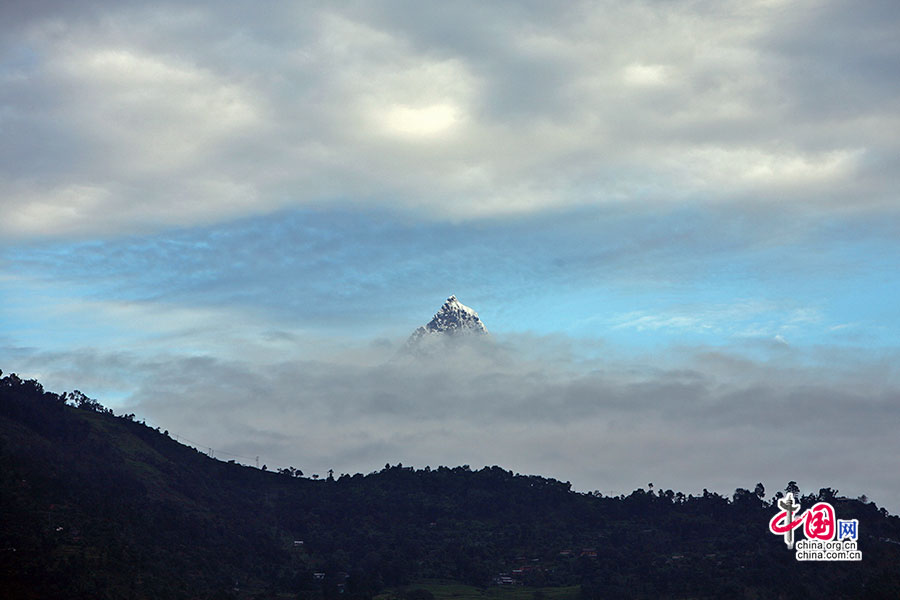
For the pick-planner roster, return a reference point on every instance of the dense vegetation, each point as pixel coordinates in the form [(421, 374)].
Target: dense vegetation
[(95, 505)]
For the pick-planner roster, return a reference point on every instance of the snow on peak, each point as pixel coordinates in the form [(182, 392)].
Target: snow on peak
[(453, 318)]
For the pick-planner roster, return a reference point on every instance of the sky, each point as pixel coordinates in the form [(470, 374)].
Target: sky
[(678, 220)]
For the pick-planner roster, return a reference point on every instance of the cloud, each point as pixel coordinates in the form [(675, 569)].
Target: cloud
[(124, 118), (743, 318), (694, 418)]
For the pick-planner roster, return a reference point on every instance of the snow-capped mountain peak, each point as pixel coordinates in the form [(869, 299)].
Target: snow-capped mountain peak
[(453, 318)]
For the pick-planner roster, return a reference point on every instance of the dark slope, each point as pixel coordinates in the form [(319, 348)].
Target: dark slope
[(98, 506)]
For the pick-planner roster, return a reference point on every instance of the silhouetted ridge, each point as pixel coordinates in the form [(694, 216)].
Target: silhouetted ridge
[(95, 505)]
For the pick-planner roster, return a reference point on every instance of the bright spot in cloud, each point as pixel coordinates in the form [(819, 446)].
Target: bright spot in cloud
[(640, 74), (426, 121)]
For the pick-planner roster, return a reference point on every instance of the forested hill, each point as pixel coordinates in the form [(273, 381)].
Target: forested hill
[(95, 505)]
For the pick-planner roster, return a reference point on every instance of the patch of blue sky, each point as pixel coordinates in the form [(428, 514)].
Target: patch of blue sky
[(633, 278), (50, 316)]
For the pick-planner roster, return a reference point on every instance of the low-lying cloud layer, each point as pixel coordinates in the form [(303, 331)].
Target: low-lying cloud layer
[(121, 117), (704, 419)]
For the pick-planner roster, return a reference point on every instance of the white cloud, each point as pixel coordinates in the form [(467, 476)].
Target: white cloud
[(750, 318), (153, 114), (741, 170), (421, 122), (55, 209), (649, 75)]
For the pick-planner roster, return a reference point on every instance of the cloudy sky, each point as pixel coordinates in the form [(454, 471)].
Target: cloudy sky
[(679, 220)]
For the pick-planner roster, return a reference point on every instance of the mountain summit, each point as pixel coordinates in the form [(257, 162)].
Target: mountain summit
[(454, 318)]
